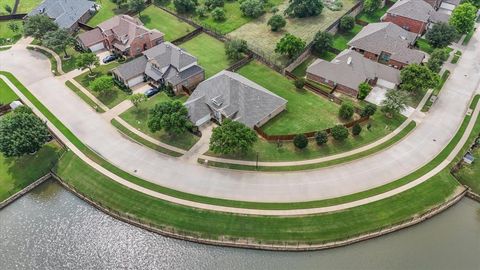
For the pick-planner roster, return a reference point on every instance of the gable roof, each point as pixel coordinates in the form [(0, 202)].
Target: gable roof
[(91, 37), (167, 54), (388, 37), (234, 96), (350, 69), (65, 12), (418, 10)]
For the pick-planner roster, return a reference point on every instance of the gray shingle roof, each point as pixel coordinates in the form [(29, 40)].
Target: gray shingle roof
[(414, 9), (236, 97), (167, 54), (65, 12), (132, 68), (350, 69), (390, 38)]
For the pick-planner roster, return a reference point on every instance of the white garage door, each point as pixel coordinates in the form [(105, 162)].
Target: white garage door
[(135, 81), (203, 120), (385, 84), (97, 47)]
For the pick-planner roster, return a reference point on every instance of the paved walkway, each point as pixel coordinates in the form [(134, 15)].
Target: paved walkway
[(421, 146), (201, 146)]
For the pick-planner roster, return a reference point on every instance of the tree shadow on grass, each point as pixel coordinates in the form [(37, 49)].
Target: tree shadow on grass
[(145, 19)]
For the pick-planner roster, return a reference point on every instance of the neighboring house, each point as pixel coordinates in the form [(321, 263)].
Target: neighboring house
[(387, 43), (447, 6), (122, 34), (230, 95), (164, 64), (349, 69), (435, 3), (66, 13), (414, 15)]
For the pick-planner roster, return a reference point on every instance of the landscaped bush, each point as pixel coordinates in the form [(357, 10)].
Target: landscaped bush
[(290, 45), (356, 129), (234, 49), (202, 12), (321, 138), (346, 23), (299, 83), (370, 6), (322, 42), (218, 14), (185, 6), (300, 141), (436, 60), (252, 8), (363, 90), (369, 110), (346, 111), (339, 132), (276, 22), (212, 4)]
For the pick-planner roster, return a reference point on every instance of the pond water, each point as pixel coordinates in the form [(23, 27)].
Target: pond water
[(50, 228)]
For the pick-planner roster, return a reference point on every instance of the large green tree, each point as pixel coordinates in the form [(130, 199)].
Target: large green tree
[(58, 40), (304, 8), (38, 25), (22, 133), (252, 8), (136, 6), (170, 116), (87, 60), (276, 22), (441, 35), (185, 6), (395, 101), (232, 137), (234, 49), (436, 60), (322, 42), (418, 78), (102, 84), (463, 18), (290, 45)]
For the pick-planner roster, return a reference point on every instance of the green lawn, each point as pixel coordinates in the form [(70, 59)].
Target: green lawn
[(6, 93), (138, 118), (107, 10), (173, 28), (83, 96), (470, 174), (372, 18), (341, 39), (3, 3), (69, 64), (305, 111), (210, 53), (301, 70), (327, 56), (114, 97), (7, 36), (25, 6), (424, 46)]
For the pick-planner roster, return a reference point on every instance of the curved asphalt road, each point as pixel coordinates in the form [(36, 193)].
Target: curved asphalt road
[(424, 143)]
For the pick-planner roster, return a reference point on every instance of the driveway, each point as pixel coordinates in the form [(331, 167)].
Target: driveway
[(424, 143), (377, 95)]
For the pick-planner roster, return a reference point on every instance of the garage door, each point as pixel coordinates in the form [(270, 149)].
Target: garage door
[(135, 81), (385, 84), (203, 120), (97, 47)]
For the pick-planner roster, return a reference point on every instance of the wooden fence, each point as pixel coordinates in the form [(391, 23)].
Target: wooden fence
[(12, 16), (5, 109), (242, 62), (188, 36)]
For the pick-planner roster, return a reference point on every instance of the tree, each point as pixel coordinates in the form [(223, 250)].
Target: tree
[(395, 101), (346, 23), (185, 6), (13, 27), (441, 35), (232, 137), (38, 25), (436, 60), (8, 9), (339, 132), (119, 3), (363, 90), (58, 40), (322, 42), (171, 116), (463, 18), (304, 8), (356, 129), (136, 6), (211, 4), (300, 141), (299, 83), (346, 110), (137, 99), (234, 49), (321, 138), (202, 12), (87, 60), (290, 45), (370, 6), (218, 14), (369, 110), (276, 22), (476, 3), (252, 8), (102, 84), (417, 78), (22, 133)]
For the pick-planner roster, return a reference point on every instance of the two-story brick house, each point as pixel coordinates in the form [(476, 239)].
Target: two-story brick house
[(122, 34)]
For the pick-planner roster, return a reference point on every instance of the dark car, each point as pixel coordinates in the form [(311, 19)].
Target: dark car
[(150, 92), (109, 58)]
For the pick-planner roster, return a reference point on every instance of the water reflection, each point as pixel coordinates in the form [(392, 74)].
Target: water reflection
[(52, 229)]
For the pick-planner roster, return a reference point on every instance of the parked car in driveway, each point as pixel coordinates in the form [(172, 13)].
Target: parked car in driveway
[(150, 92), (110, 58)]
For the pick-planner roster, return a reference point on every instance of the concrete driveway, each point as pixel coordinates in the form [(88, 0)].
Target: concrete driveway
[(424, 143)]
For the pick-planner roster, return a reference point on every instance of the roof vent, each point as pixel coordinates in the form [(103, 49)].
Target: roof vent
[(349, 60)]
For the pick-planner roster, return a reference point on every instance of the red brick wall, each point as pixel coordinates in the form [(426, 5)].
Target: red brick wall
[(411, 25), (340, 88), (346, 90), (319, 79)]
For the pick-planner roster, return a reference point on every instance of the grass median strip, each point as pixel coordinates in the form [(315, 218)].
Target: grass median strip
[(84, 97)]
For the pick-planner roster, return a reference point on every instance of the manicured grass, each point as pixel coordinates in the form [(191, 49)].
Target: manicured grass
[(456, 57), (11, 3), (424, 46), (213, 225), (470, 174), (19, 172), (138, 118), (84, 97), (372, 18), (7, 36), (53, 61), (327, 56), (173, 28), (437, 90), (301, 70), (341, 39), (107, 10), (6, 93), (115, 96), (305, 111), (210, 53), (70, 63), (25, 6)]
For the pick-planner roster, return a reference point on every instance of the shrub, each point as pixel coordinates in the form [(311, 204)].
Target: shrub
[(290, 45), (185, 6), (346, 23), (300, 141), (304, 8), (363, 90), (202, 12), (276, 22), (339, 132), (346, 111), (321, 137), (218, 14), (356, 129), (212, 4), (235, 49), (441, 35), (369, 110), (322, 42), (252, 8), (370, 6), (299, 83)]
